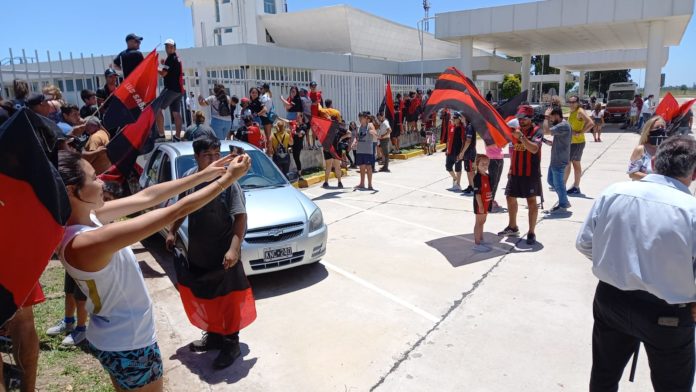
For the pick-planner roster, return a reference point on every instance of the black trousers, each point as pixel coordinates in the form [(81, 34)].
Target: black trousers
[(296, 153), (622, 320), (495, 171)]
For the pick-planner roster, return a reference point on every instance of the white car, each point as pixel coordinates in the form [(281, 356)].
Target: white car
[(284, 228)]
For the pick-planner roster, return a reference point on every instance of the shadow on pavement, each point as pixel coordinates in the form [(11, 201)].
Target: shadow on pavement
[(329, 196), (458, 249), (201, 364), (286, 281)]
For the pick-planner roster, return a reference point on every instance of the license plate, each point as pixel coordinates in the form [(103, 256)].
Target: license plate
[(273, 254), (616, 114)]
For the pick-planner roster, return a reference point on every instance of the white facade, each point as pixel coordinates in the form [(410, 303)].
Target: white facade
[(228, 22)]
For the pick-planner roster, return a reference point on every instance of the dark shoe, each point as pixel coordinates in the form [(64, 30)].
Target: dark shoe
[(228, 353), (326, 185), (510, 232), (209, 341), (531, 239), (340, 185), (469, 190), (385, 170), (573, 191)]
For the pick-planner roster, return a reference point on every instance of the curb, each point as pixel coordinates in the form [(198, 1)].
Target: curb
[(306, 182), (413, 154)]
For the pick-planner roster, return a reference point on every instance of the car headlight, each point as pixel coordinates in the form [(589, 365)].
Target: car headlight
[(316, 220)]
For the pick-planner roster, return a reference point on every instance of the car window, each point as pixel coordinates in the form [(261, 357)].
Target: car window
[(263, 171), (165, 172), (153, 170)]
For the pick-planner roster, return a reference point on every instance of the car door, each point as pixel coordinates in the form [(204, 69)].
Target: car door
[(151, 172)]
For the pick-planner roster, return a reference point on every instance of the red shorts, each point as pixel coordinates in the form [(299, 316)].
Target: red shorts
[(35, 297)]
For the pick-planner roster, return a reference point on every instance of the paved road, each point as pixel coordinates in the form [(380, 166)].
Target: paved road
[(401, 303)]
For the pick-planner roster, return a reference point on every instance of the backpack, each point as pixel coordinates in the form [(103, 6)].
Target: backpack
[(223, 108), (281, 156)]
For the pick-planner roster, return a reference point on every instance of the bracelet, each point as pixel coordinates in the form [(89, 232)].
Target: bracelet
[(220, 185)]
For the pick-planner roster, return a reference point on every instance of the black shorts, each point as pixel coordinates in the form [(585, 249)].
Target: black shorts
[(170, 99), (70, 287), (328, 155), (451, 162), (576, 150), (265, 120), (523, 187), (468, 165), (412, 117), (396, 131)]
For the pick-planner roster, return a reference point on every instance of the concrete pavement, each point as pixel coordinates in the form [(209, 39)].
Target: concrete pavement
[(400, 301)]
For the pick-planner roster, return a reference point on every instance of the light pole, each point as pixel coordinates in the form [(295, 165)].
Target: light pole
[(421, 38)]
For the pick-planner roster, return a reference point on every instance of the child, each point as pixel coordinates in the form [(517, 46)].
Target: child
[(633, 115), (482, 198)]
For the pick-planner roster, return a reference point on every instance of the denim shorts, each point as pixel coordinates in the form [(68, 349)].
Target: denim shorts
[(134, 368)]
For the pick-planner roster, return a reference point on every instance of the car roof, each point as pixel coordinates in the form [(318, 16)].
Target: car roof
[(186, 148)]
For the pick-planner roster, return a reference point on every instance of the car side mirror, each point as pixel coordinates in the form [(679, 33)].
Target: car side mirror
[(293, 177)]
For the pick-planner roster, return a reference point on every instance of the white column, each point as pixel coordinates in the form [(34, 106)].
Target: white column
[(466, 49), (524, 71), (653, 71), (581, 90), (562, 83)]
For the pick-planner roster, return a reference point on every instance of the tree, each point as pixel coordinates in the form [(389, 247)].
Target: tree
[(683, 88), (512, 86), (599, 81)]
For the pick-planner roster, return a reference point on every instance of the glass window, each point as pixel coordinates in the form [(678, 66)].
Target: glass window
[(217, 11), (79, 84), (90, 86), (269, 6), (225, 1), (262, 173), (228, 30), (70, 85)]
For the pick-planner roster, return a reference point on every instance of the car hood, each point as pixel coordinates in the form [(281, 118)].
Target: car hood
[(270, 207)]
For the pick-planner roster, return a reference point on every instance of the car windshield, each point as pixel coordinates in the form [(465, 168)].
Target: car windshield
[(624, 95), (263, 172)]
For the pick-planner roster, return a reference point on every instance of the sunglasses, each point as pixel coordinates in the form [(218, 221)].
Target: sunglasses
[(572, 101)]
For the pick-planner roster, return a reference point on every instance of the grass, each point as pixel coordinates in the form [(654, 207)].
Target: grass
[(60, 368)]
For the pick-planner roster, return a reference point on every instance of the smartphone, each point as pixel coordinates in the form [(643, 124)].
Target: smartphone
[(236, 151)]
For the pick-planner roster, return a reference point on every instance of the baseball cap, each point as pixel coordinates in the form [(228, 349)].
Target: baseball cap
[(457, 114), (170, 41), (245, 99), (36, 99), (110, 72), (312, 83), (133, 36), (525, 111)]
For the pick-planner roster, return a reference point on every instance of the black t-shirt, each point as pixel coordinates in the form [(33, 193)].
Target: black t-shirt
[(173, 80), (87, 110), (457, 142), (255, 106), (299, 135), (128, 60), (685, 120), (470, 152), (296, 105)]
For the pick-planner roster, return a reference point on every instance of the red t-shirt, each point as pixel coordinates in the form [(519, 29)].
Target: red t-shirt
[(482, 187), (255, 137), (315, 97)]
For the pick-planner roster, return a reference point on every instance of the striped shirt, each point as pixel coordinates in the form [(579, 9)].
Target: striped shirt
[(523, 162)]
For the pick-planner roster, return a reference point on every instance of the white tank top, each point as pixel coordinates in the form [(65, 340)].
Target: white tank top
[(118, 303)]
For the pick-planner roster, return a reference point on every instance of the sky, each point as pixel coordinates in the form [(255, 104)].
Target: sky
[(30, 25)]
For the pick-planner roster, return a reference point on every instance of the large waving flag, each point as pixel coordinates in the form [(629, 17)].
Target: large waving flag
[(134, 93), (667, 108), (681, 112), (387, 106), (123, 150), (326, 131), (509, 108), (455, 91), (34, 207)]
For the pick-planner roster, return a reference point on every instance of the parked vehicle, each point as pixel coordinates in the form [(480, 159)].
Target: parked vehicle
[(284, 228), (619, 98)]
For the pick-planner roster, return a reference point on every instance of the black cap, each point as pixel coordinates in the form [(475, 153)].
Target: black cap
[(557, 111), (312, 83), (110, 72), (35, 99), (133, 36)]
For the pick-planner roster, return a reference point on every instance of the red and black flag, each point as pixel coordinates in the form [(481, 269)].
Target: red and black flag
[(34, 207), (667, 108), (679, 114), (455, 91), (509, 109), (326, 130), (133, 94), (387, 106), (123, 150), (219, 301)]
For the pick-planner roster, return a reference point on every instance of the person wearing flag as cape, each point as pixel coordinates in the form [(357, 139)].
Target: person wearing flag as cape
[(214, 289), (524, 178)]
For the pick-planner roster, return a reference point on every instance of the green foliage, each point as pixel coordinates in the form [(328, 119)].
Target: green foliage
[(512, 85), (601, 80)]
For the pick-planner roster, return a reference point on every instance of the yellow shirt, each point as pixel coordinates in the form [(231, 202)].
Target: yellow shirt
[(577, 124), (278, 138), (330, 114)]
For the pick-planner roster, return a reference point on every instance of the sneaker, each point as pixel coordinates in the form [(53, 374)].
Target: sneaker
[(385, 170), (573, 191), (481, 248), (325, 185), (510, 232), (552, 189), (468, 191), (60, 328), (558, 210), (209, 341), (229, 352), (531, 239), (74, 338), (340, 185), (456, 188)]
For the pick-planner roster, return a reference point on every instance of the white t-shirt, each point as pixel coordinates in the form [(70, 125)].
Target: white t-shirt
[(383, 128), (596, 114), (647, 107), (213, 102), (120, 308), (267, 101)]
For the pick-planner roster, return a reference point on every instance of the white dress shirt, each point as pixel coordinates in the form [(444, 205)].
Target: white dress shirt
[(641, 235)]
